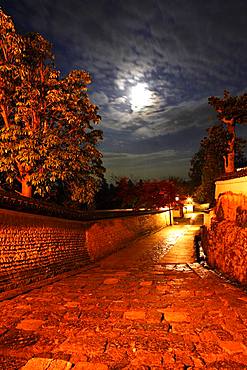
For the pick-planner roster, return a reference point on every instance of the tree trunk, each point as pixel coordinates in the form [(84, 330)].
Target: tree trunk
[(26, 190), (229, 158), (229, 162)]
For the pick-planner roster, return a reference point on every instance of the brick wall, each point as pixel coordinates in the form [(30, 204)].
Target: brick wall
[(225, 238), (34, 247)]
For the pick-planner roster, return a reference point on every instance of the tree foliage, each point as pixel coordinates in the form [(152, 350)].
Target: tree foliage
[(231, 110), (149, 194), (208, 163), (47, 123)]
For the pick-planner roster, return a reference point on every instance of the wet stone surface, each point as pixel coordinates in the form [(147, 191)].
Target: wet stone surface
[(141, 308)]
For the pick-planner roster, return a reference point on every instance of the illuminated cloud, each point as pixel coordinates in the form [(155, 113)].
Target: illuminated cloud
[(182, 53)]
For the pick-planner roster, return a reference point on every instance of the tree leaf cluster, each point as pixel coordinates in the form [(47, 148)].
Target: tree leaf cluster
[(230, 107), (148, 194), (47, 123), (231, 110), (208, 163)]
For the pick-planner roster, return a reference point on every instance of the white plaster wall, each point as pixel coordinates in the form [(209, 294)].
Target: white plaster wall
[(237, 186), (188, 208)]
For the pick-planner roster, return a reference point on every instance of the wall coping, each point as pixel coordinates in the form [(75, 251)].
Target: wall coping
[(18, 203), (237, 185), (89, 217), (232, 180)]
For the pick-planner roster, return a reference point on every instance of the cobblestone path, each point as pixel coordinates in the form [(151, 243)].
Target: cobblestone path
[(140, 308)]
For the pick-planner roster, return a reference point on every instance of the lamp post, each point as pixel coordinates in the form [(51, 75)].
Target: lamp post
[(170, 212)]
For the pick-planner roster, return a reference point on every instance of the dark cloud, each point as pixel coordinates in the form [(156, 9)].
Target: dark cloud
[(146, 166), (183, 51)]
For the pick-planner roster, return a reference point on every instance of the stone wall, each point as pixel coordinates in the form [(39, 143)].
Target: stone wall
[(225, 238), (117, 232), (35, 247)]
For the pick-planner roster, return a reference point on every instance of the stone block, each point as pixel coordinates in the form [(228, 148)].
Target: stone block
[(176, 316), (232, 347), (111, 281), (135, 315), (90, 366), (46, 363), (29, 324), (146, 283)]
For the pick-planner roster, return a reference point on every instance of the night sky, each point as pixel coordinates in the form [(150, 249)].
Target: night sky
[(154, 63)]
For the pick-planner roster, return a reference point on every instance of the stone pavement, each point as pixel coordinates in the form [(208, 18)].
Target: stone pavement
[(137, 309)]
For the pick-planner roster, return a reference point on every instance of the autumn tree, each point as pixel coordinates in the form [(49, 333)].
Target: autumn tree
[(231, 110), (157, 193), (149, 194), (47, 123), (182, 186)]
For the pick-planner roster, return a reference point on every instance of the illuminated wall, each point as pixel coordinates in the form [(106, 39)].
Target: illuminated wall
[(237, 185), (34, 247), (225, 236), (188, 208)]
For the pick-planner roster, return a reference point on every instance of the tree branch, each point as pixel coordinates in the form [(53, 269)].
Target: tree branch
[(4, 115), (228, 121), (4, 51)]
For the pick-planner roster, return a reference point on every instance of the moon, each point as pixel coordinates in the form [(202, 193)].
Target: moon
[(140, 96)]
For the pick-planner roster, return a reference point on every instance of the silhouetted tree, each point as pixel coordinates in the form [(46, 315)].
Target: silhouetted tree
[(103, 198), (126, 195), (183, 187)]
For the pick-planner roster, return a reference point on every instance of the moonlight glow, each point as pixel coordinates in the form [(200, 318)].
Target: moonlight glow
[(140, 96)]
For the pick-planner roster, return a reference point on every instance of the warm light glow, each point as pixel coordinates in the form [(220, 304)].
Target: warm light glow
[(165, 217), (140, 96), (189, 200)]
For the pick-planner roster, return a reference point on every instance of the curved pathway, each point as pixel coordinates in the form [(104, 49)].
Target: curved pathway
[(149, 306)]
